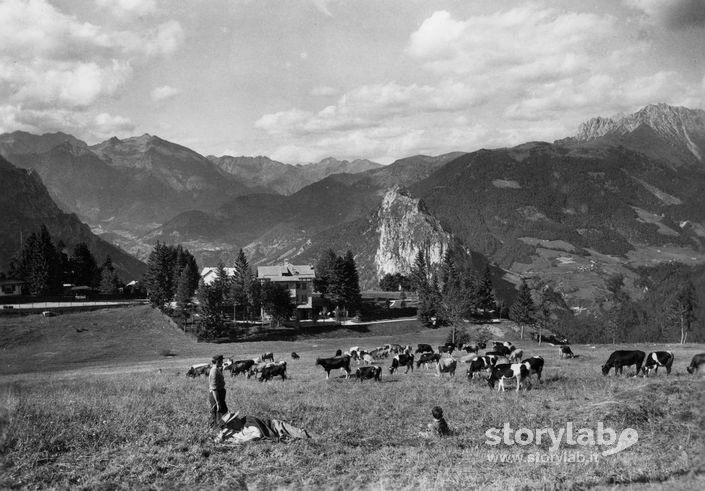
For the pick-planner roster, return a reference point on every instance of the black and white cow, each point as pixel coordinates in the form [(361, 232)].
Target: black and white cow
[(502, 348), (696, 363), (566, 352), (198, 370), (369, 372), (534, 366), (268, 356), (446, 364), (402, 360), (341, 362), (505, 371), (447, 348), (658, 359), (241, 366), (423, 348), (379, 353), (427, 358), (515, 355), (480, 363), (624, 358), (271, 370)]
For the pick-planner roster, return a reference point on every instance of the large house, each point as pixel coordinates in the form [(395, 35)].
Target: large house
[(298, 279)]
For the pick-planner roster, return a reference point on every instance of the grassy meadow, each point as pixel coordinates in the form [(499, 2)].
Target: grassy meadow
[(114, 410)]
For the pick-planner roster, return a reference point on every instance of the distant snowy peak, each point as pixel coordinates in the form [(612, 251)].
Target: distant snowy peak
[(678, 126)]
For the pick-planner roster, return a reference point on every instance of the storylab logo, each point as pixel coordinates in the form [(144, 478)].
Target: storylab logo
[(587, 437)]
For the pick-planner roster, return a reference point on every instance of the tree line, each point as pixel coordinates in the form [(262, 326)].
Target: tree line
[(46, 266)]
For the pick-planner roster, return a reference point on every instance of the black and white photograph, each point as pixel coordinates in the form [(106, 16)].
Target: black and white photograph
[(352, 244)]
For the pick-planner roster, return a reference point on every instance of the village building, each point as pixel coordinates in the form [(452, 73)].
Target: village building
[(298, 279)]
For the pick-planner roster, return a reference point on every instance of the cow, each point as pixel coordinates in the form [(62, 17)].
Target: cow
[(295, 355), (379, 353), (367, 359), (402, 360), (515, 355), (198, 370), (396, 348), (534, 366), (427, 358), (228, 365), (241, 366), (447, 348), (341, 362), (446, 365), (658, 359), (502, 348), (338, 352), (273, 370), (566, 352), (423, 348), (481, 363), (623, 358), (269, 356), (258, 367), (368, 372), (505, 371), (696, 363)]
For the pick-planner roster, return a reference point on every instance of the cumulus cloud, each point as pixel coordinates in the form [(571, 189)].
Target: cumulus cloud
[(673, 14), (164, 93)]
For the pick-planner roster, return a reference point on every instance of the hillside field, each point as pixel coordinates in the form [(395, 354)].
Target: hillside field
[(100, 401)]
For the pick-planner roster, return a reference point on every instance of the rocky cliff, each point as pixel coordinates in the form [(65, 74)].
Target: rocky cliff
[(404, 226)]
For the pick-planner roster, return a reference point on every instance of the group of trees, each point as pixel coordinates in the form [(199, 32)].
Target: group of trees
[(46, 267), (172, 275), (453, 293), (338, 282)]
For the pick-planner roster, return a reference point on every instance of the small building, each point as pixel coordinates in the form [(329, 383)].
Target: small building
[(11, 288), (209, 274), (299, 281)]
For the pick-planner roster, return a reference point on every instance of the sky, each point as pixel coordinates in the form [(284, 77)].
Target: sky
[(302, 80)]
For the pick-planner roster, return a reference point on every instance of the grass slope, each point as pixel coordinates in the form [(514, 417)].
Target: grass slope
[(107, 426)]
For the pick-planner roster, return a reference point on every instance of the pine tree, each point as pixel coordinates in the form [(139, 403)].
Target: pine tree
[(351, 284), (159, 278), (211, 320), (241, 283), (325, 274), (84, 270), (109, 281), (522, 310), (485, 293), (184, 286)]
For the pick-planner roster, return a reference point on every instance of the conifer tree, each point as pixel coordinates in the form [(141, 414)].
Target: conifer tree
[(522, 310), (109, 281), (84, 270)]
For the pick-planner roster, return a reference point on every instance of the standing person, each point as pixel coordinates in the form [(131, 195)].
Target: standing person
[(216, 392)]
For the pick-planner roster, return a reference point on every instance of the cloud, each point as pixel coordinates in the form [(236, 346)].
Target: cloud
[(673, 14), (125, 8), (164, 92), (324, 91), (108, 125), (322, 6)]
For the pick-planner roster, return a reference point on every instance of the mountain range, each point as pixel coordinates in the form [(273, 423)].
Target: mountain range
[(622, 192)]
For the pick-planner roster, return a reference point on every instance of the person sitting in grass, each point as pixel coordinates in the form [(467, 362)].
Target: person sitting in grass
[(242, 429), (439, 426)]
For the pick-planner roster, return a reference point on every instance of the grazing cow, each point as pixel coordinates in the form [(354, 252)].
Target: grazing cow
[(566, 352), (258, 367), (198, 370), (515, 355), (423, 348), (273, 370), (402, 360), (379, 353), (658, 359), (624, 358), (295, 355), (367, 359), (481, 363), (341, 362), (447, 348), (241, 366), (447, 364), (363, 373), (427, 358), (228, 365), (534, 366), (696, 363), (503, 349), (354, 353), (505, 371), (269, 356), (396, 348)]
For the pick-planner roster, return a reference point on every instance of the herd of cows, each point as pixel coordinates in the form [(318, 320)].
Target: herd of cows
[(513, 364)]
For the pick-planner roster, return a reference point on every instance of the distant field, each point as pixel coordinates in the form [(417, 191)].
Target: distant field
[(104, 408)]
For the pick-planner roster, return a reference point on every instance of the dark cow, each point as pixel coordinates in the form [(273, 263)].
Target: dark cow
[(658, 359), (505, 371), (273, 370), (534, 366), (502, 348), (566, 352), (446, 365), (341, 362), (427, 358), (269, 356), (447, 348), (241, 366), (423, 348), (198, 370), (402, 360), (295, 355), (624, 358), (369, 372), (480, 363), (473, 348), (696, 363)]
